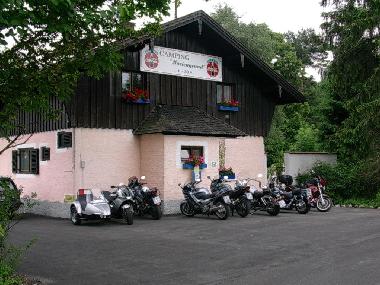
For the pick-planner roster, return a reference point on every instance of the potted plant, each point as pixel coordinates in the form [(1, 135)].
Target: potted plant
[(223, 171), (136, 96), (194, 161), (229, 105)]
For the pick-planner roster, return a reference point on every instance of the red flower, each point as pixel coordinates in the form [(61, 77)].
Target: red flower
[(195, 160), (135, 94), (230, 103)]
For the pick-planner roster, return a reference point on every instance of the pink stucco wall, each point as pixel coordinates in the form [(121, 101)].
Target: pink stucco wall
[(56, 175), (152, 160), (246, 156), (174, 173), (105, 157)]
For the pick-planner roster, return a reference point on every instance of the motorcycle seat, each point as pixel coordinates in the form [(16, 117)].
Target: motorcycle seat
[(288, 195), (296, 191), (258, 194)]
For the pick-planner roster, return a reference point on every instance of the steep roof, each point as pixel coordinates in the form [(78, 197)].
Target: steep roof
[(295, 95), (180, 120)]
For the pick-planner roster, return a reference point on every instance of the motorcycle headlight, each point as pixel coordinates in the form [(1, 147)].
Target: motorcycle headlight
[(145, 189)]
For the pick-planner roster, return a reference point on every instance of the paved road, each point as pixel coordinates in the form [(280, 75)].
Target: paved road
[(339, 247)]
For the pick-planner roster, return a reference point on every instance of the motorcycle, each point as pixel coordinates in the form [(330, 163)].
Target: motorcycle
[(262, 198), (85, 207), (147, 200), (315, 194), (203, 201), (121, 202), (240, 196), (290, 196)]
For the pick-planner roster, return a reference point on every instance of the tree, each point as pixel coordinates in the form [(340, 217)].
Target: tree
[(293, 126), (46, 46), (353, 33)]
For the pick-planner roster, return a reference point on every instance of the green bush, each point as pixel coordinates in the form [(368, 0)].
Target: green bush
[(344, 181), (7, 275)]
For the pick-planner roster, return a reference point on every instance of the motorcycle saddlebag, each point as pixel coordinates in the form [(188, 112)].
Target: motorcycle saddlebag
[(286, 179)]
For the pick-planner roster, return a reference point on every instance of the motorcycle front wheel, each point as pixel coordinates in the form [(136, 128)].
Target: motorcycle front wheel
[(302, 207), (243, 207), (273, 209), (187, 209), (128, 216), (223, 211), (324, 207), (156, 212)]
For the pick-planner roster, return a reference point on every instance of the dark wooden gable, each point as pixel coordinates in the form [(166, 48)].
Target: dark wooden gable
[(98, 103)]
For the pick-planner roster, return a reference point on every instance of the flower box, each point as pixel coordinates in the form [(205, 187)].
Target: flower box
[(228, 108), (140, 101), (230, 176), (191, 166)]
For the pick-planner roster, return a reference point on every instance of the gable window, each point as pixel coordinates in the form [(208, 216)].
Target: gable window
[(224, 93), (131, 80), (190, 151), (64, 139), (25, 160)]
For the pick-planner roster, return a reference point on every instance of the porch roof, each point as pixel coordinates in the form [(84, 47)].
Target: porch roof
[(179, 120)]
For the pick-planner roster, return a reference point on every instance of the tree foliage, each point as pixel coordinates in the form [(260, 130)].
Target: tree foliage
[(46, 46), (352, 114), (294, 126)]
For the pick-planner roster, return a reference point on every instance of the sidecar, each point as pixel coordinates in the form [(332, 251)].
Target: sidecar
[(86, 207)]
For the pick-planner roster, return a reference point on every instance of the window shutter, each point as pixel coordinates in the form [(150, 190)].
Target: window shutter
[(64, 139), (14, 161), (45, 153), (67, 139), (34, 161)]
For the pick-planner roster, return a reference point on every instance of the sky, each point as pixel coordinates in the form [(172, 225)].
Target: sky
[(279, 15)]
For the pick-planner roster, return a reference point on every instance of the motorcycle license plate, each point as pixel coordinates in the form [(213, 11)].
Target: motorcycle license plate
[(227, 199), (249, 196), (282, 203), (156, 200)]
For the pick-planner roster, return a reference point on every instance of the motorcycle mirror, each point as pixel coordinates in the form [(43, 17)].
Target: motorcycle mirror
[(143, 177), (179, 184), (209, 177), (259, 175), (113, 186)]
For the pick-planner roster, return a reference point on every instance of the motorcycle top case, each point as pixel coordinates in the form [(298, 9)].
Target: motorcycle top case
[(286, 179)]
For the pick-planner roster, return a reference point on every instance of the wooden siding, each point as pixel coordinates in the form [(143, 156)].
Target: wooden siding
[(98, 103)]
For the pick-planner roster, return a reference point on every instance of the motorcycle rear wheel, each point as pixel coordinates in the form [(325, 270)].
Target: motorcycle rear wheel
[(273, 210), (224, 211), (128, 216), (187, 209), (243, 208), (156, 212), (324, 207), (74, 216)]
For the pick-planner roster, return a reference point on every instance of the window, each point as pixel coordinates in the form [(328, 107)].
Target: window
[(45, 153), (64, 139), (188, 151), (25, 160), (224, 93), (131, 80)]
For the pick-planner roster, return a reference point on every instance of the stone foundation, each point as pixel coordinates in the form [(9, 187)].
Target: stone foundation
[(171, 207)]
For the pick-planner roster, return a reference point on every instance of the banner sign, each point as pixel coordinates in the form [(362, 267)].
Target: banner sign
[(181, 63)]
